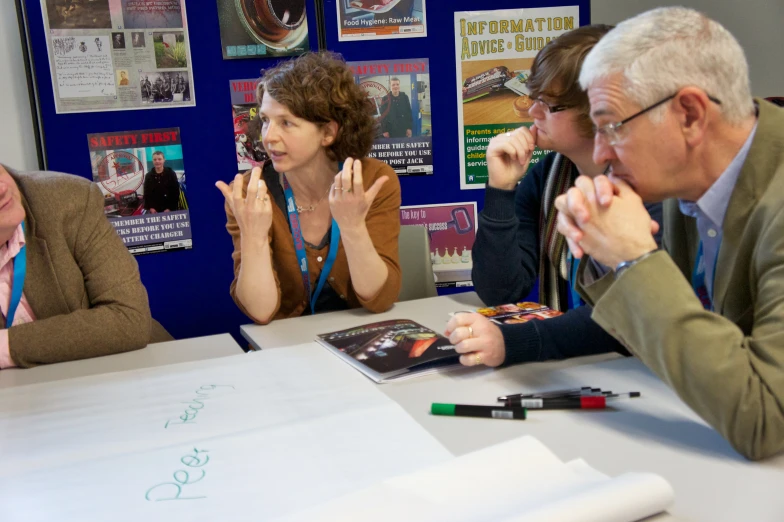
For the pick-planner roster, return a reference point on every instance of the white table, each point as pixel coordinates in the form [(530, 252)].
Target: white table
[(158, 354), (432, 312), (656, 432)]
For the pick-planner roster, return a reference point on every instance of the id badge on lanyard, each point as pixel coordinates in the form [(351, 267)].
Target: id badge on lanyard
[(20, 271), (299, 246)]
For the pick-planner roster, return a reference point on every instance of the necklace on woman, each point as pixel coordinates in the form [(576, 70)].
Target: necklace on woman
[(311, 208)]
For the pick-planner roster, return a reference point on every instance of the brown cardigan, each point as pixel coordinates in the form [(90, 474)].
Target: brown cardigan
[(383, 224)]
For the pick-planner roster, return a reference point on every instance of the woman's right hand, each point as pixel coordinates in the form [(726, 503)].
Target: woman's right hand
[(508, 156), (477, 339), (253, 212)]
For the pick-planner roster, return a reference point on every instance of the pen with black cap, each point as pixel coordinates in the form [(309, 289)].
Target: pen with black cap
[(553, 393)]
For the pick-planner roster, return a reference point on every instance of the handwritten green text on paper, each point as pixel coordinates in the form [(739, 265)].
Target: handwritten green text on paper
[(182, 478), (196, 405)]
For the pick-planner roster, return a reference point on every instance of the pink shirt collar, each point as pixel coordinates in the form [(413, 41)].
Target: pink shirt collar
[(9, 250)]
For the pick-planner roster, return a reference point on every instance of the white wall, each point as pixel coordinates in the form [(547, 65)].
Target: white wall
[(757, 24), (17, 141)]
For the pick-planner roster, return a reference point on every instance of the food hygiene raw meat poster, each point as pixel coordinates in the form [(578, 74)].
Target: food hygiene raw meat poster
[(379, 19), (494, 53), (142, 177)]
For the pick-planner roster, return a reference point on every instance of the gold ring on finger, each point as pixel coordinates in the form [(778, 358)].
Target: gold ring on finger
[(478, 358), (470, 332)]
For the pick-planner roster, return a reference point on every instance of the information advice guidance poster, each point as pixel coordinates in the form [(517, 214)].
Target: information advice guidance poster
[(495, 50)]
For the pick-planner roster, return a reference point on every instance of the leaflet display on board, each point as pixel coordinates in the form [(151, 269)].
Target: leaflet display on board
[(399, 91), (142, 177), (108, 55)]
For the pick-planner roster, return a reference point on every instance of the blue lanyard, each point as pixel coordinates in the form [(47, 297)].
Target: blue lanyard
[(574, 265), (20, 270), (698, 278), (299, 246)]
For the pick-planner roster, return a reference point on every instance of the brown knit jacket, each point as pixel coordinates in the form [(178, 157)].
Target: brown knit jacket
[(383, 224), (82, 284)]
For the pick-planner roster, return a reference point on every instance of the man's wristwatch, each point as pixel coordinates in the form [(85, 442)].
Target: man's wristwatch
[(623, 266)]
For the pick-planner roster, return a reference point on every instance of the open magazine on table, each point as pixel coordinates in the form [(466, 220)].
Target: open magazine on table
[(517, 313), (393, 349)]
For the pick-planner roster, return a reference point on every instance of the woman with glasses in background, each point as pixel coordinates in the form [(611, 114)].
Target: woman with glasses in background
[(517, 243)]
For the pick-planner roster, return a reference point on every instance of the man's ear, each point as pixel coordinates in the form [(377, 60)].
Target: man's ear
[(330, 133), (691, 109)]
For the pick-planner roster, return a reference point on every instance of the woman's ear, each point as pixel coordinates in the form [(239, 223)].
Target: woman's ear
[(330, 133)]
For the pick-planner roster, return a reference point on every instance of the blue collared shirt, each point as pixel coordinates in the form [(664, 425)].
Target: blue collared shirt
[(710, 209)]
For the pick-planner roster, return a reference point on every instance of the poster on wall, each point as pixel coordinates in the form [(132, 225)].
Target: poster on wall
[(109, 55), (494, 53), (142, 177), (254, 29), (247, 128), (379, 19), (400, 93), (452, 230)]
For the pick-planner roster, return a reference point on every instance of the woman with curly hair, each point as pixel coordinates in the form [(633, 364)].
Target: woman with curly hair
[(316, 228)]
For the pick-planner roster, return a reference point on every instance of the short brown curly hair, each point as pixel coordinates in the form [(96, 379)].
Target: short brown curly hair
[(320, 87)]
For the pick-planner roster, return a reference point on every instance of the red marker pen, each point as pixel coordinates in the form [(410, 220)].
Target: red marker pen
[(590, 402)]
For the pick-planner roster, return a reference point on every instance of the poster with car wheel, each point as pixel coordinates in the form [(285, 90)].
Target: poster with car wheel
[(399, 91), (111, 55), (495, 50), (247, 127), (451, 228), (262, 28), (142, 177)]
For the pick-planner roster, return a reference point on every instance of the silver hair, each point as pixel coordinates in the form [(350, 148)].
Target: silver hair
[(663, 50)]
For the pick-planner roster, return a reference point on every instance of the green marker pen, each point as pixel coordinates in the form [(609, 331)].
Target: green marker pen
[(466, 410)]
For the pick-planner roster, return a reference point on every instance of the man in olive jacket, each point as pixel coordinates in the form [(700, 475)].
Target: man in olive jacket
[(670, 97), (81, 296)]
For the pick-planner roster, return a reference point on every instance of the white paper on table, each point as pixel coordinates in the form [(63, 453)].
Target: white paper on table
[(282, 430), (520, 480)]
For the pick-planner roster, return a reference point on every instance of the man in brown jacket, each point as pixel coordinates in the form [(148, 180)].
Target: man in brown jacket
[(670, 97), (81, 295)]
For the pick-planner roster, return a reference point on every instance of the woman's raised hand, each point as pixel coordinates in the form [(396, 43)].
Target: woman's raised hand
[(348, 200), (508, 156), (253, 212)]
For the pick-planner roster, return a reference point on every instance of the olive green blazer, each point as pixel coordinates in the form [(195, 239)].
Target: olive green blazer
[(729, 365), (82, 284)]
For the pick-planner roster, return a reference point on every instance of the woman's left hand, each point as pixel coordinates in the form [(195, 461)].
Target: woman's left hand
[(348, 200)]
